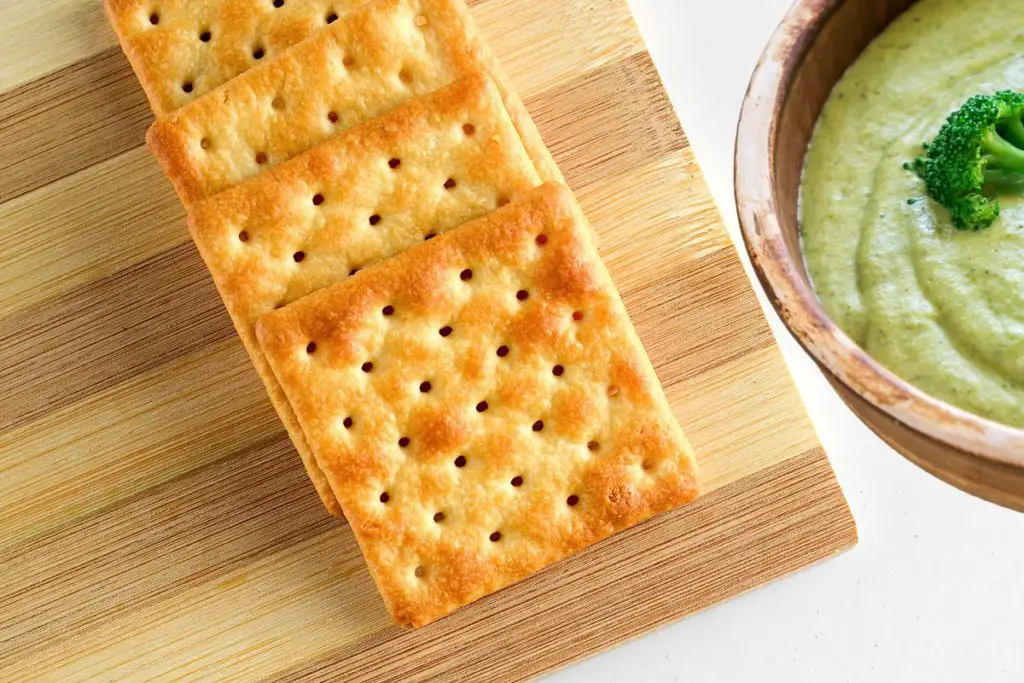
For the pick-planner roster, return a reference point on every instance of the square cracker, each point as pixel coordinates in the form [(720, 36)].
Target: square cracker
[(481, 405), (342, 206), (204, 43), (377, 57)]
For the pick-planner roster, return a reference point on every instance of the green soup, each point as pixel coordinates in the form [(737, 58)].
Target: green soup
[(943, 309)]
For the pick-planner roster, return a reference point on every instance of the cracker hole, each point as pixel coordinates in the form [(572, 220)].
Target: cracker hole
[(258, 52), (154, 18), (421, 20), (541, 240), (394, 162), (502, 200), (495, 536), (538, 426), (405, 76), (278, 3), (243, 236), (420, 572), (502, 351), (375, 219), (466, 275), (205, 143), (438, 517), (385, 497), (367, 366), (558, 371), (517, 481), (522, 295), (299, 256), (353, 271), (647, 464), (318, 199), (593, 446), (449, 184), (468, 128), (445, 331), (205, 36), (403, 442), (388, 310), (577, 315), (482, 406), (332, 116), (311, 347), (187, 86), (460, 461), (429, 236), (277, 103), (348, 422), (261, 158), (348, 62), (331, 18), (425, 387), (572, 500), (613, 390)]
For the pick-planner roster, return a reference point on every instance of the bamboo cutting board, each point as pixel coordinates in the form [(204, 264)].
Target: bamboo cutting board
[(156, 523)]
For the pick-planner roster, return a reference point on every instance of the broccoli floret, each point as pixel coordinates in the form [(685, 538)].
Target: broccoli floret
[(978, 151)]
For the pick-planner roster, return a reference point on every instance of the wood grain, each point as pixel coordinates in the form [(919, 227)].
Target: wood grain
[(107, 332), (68, 121), (623, 133), (156, 522), (86, 227), (40, 38)]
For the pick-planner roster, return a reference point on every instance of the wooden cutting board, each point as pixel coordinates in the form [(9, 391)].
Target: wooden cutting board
[(156, 523)]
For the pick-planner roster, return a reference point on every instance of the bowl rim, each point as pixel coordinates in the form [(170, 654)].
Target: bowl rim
[(792, 298)]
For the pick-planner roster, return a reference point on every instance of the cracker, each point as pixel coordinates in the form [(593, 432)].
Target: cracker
[(181, 49), (362, 196), (377, 57), (481, 405)]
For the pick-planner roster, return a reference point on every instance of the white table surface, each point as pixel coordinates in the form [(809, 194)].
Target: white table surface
[(934, 591)]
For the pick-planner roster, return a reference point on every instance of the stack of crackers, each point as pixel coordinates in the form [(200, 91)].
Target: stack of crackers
[(420, 293)]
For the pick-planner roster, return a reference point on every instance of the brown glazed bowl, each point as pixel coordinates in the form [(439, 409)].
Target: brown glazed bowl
[(806, 56)]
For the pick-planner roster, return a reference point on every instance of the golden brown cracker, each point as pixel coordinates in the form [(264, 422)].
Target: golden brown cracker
[(369, 193), (480, 405), (378, 56), (181, 49)]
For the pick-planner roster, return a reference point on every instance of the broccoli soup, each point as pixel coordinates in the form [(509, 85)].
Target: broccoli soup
[(935, 297)]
